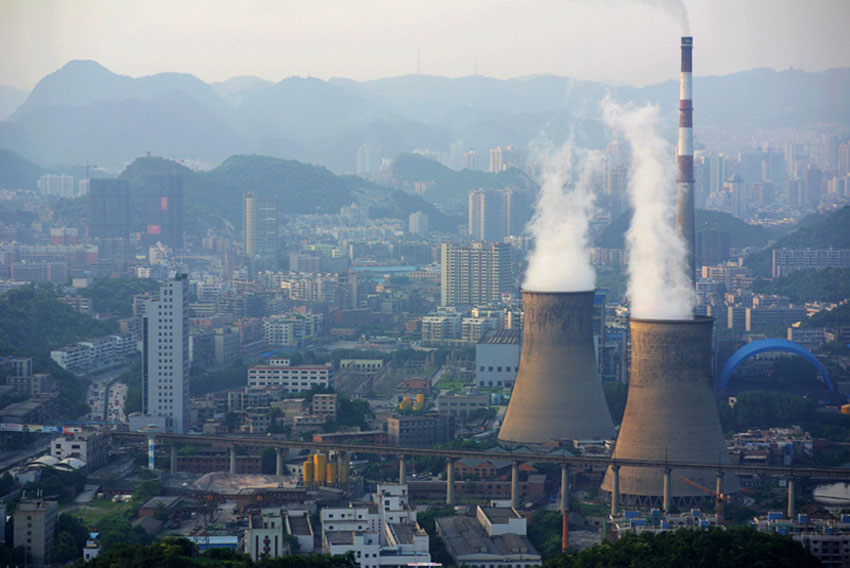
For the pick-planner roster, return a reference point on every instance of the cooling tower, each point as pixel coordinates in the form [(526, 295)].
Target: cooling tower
[(685, 179), (670, 411), (558, 393)]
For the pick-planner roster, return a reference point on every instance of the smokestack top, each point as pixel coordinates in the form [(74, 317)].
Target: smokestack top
[(687, 41)]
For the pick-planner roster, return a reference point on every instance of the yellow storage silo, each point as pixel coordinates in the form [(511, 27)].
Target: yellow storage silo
[(333, 473), (420, 399), (308, 472), (405, 403), (320, 466), (845, 409)]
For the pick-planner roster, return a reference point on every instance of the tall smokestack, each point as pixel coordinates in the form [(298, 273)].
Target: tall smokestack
[(558, 392), (685, 194), (670, 412)]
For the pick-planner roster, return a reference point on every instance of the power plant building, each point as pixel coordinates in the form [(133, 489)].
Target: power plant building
[(558, 392), (670, 413)]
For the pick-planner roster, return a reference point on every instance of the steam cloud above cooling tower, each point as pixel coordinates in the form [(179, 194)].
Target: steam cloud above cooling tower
[(561, 260), (659, 287)]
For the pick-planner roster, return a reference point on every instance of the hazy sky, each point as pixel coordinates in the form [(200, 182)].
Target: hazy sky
[(618, 40)]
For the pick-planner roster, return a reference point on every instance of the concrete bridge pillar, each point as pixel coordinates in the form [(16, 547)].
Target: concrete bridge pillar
[(565, 489), (232, 460), (402, 470), (792, 505), (151, 452), (666, 490), (173, 458), (615, 490), (450, 482), (515, 485), (278, 461)]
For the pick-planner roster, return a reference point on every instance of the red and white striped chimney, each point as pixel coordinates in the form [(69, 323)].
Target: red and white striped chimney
[(685, 194)]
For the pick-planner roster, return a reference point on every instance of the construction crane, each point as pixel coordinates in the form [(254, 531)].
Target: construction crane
[(720, 498)]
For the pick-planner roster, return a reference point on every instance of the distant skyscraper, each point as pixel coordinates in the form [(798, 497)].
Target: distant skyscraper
[(109, 209), (259, 228), (165, 210), (517, 210), (618, 181), (475, 274), (165, 357), (59, 185), (418, 223), (494, 214)]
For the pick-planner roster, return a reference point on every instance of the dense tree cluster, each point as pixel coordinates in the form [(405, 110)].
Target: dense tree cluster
[(716, 548), (115, 295), (827, 285)]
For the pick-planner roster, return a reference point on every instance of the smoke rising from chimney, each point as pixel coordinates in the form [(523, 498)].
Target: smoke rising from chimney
[(676, 9), (560, 261), (659, 287)]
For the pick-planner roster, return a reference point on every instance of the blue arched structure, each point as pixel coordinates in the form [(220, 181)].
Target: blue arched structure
[(762, 346)]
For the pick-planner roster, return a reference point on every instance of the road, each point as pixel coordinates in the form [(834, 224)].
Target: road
[(17, 456), (99, 396)]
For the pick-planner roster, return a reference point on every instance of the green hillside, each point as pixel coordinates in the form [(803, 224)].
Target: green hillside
[(449, 185), (16, 172), (832, 230), (830, 285), (34, 323), (741, 234), (400, 205)]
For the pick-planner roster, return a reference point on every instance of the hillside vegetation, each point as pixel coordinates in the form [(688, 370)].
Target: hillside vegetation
[(827, 285), (741, 234), (832, 230)]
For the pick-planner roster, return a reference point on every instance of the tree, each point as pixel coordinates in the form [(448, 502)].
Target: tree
[(160, 512), (732, 548)]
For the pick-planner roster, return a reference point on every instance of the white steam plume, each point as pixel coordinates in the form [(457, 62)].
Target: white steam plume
[(659, 287), (676, 9), (560, 261)]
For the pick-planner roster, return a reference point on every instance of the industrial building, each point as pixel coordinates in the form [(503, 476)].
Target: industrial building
[(558, 392)]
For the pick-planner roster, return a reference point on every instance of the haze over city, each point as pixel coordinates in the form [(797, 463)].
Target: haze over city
[(619, 41), (375, 284)]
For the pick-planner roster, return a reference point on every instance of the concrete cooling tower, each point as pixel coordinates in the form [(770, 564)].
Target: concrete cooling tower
[(670, 413), (558, 393)]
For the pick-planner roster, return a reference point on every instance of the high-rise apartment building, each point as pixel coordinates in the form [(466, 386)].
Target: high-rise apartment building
[(35, 529), (61, 185), (474, 274), (165, 210), (165, 357), (109, 208), (494, 214), (259, 228), (417, 223)]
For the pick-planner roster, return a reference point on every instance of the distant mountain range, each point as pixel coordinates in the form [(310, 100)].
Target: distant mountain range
[(84, 112)]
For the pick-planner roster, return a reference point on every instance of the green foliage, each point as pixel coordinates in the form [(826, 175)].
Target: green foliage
[(736, 547), (175, 552), (70, 540), (115, 295), (400, 204), (449, 185), (544, 532), (61, 485), (436, 547), (233, 376), (741, 234), (766, 409), (35, 322), (116, 530), (353, 413), (146, 490), (615, 396), (829, 284), (835, 317), (833, 230), (132, 377), (16, 172)]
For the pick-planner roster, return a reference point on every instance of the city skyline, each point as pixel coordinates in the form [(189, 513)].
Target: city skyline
[(621, 42)]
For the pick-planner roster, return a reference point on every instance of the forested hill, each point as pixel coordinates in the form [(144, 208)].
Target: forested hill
[(16, 172), (741, 234), (833, 230), (300, 188), (444, 185)]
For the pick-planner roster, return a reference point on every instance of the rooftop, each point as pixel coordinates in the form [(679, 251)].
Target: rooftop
[(465, 537), (502, 336)]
